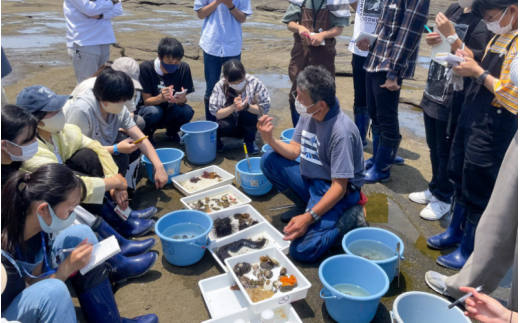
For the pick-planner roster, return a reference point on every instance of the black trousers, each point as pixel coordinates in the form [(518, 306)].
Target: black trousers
[(360, 81), (383, 105), (481, 140), (241, 126), (440, 145)]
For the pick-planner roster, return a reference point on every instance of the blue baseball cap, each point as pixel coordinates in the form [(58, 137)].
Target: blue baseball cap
[(40, 98)]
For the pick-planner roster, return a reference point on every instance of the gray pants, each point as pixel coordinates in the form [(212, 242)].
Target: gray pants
[(496, 238), (88, 59)]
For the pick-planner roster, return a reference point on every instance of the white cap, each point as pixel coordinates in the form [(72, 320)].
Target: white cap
[(129, 66), (4, 278), (268, 316)]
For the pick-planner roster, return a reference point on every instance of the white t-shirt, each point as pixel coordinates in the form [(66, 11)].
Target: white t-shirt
[(367, 15)]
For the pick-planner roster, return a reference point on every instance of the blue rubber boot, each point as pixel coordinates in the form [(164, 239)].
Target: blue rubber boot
[(143, 214), (128, 247), (123, 268), (385, 156), (249, 140), (453, 234), (362, 120), (376, 132), (99, 306), (129, 228), (457, 259)]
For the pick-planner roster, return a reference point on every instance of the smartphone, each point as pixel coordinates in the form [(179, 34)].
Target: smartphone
[(140, 140), (177, 94)]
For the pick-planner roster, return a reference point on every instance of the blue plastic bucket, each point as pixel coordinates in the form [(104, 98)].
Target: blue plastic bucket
[(413, 307), (390, 265), (200, 141), (253, 181), (189, 251), (345, 269), (287, 134), (266, 147), (170, 158)]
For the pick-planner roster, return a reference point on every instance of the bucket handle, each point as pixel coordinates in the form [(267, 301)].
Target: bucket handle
[(183, 138), (392, 317), (199, 246), (322, 295)]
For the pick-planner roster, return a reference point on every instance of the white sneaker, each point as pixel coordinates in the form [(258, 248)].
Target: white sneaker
[(421, 197), (435, 210), (437, 282)]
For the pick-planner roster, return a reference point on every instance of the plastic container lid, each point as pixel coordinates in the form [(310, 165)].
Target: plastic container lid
[(268, 316)]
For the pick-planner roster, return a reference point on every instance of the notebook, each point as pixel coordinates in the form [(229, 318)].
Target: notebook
[(449, 58), (442, 47), (102, 251), (371, 37)]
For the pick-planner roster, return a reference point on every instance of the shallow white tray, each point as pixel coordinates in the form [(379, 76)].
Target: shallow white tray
[(242, 198), (226, 305), (227, 179), (279, 298), (265, 229), (247, 208)]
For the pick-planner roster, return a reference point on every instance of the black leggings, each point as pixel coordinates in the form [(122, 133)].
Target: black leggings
[(241, 126)]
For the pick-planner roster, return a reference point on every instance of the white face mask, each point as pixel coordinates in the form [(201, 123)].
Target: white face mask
[(57, 224), (495, 28), (302, 110), (238, 87), (114, 108), (54, 124), (28, 151), (465, 3)]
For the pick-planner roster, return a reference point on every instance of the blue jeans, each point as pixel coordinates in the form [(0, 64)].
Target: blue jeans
[(320, 236), (212, 72), (47, 301), (172, 118)]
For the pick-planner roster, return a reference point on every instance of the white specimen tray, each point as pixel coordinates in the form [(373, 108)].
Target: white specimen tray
[(226, 305), (279, 299), (227, 179), (217, 192), (265, 229), (229, 212)]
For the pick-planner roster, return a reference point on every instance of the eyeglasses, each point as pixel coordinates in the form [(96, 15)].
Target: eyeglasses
[(294, 94), (493, 18)]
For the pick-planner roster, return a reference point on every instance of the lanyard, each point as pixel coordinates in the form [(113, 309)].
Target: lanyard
[(315, 14), (45, 260)]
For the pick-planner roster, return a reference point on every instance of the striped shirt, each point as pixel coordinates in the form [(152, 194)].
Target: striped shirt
[(506, 93), (399, 32)]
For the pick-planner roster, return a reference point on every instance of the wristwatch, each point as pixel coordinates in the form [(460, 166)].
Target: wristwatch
[(116, 152), (315, 217), (231, 9), (451, 39), (482, 77)]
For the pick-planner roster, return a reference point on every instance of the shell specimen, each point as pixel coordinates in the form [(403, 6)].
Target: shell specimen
[(242, 268)]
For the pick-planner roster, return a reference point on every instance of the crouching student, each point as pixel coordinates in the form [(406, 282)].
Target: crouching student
[(37, 204), (237, 101), (331, 172)]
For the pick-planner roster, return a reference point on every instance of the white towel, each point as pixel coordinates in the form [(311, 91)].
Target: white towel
[(339, 8)]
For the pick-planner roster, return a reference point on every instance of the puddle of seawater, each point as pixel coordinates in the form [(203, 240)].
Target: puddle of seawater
[(424, 61), (413, 120), (275, 81), (175, 13), (31, 41)]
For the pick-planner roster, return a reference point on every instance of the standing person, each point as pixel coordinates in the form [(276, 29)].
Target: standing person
[(237, 101), (441, 104), (6, 70), (391, 59), (314, 24), (487, 125), (90, 33), (221, 38), (166, 81)]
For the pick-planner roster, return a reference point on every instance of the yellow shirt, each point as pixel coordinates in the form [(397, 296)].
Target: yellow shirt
[(68, 142)]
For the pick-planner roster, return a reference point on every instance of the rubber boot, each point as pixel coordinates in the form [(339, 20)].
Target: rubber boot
[(293, 197), (249, 140), (385, 156), (128, 247), (143, 214), (99, 306), (362, 120), (123, 268), (128, 228), (453, 234), (457, 259), (376, 132)]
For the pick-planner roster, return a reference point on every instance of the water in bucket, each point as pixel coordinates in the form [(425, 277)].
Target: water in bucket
[(351, 290), (184, 231), (371, 250)]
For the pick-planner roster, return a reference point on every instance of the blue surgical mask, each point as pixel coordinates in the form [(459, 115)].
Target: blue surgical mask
[(170, 68), (57, 224)]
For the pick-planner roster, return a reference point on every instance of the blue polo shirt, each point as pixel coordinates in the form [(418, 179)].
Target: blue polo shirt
[(222, 33)]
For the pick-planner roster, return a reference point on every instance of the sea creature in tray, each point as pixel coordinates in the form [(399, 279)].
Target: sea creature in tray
[(199, 182), (209, 205), (239, 247), (223, 227), (263, 285)]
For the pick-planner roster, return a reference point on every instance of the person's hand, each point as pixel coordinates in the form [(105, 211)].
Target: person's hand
[(228, 3), (297, 227), (95, 17), (120, 197), (363, 44), (433, 38), (77, 259), (160, 177), (462, 53), (317, 39), (391, 85), (484, 308), (181, 97), (469, 68), (166, 93), (123, 184), (265, 127), (444, 25), (127, 146), (304, 32)]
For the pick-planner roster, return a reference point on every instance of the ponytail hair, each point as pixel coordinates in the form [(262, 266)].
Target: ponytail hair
[(51, 183)]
